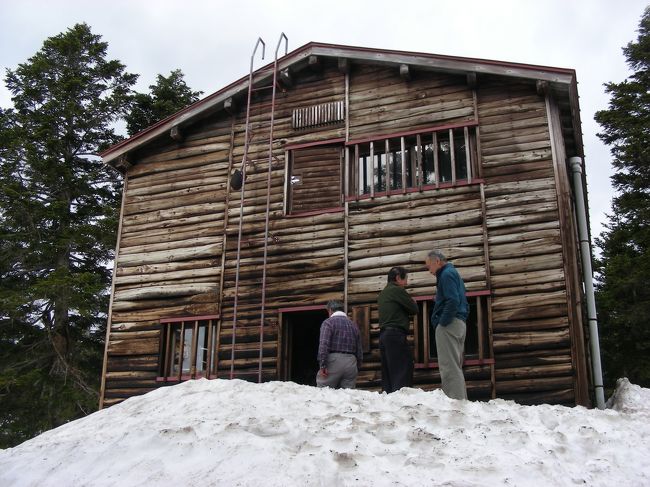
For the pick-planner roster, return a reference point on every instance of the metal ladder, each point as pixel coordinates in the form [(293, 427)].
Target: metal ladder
[(268, 199), (241, 206), (268, 202)]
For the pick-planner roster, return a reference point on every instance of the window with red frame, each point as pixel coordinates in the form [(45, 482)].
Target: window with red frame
[(187, 347), (476, 339), (425, 159)]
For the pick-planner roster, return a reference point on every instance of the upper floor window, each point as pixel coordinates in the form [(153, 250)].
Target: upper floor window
[(397, 163)]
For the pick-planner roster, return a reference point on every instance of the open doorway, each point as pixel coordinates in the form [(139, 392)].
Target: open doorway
[(300, 334)]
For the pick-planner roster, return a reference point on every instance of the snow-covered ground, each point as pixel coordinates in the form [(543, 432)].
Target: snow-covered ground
[(227, 433)]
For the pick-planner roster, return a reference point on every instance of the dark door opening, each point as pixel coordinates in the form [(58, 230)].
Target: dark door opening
[(302, 331)]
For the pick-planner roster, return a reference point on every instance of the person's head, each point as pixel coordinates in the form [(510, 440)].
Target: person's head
[(333, 305), (435, 261), (398, 275)]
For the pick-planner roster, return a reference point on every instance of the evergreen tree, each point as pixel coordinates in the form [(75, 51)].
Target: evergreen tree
[(169, 95), (58, 213), (623, 289)]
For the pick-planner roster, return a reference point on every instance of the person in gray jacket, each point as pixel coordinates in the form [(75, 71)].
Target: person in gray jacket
[(449, 317)]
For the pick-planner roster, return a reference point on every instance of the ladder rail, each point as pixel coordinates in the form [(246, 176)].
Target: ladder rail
[(268, 200), (241, 206)]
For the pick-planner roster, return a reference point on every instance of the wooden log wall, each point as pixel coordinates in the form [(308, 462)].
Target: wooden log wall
[(305, 254), (169, 261), (382, 102), (181, 224), (530, 313)]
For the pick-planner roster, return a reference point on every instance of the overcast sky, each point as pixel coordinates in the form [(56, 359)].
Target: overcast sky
[(212, 41)]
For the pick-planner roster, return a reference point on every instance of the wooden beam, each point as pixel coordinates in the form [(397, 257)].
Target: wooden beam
[(285, 78), (124, 162), (542, 87), (314, 63), (471, 80), (176, 134), (404, 72), (344, 65), (230, 106)]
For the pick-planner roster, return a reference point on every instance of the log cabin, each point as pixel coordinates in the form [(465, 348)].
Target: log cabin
[(307, 180)]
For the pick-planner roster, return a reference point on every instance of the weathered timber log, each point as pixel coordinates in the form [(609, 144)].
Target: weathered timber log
[(161, 216), (529, 313), (173, 255), (423, 210), (149, 279), (210, 169), (129, 364), (154, 246), (542, 357), (168, 235), (517, 220), (169, 311), (519, 264), (412, 225), (560, 396), (415, 260), (167, 267), (368, 259), (185, 197), (529, 247), (147, 346), (527, 197), (536, 386), (210, 181), (134, 325), (531, 340), (134, 335)]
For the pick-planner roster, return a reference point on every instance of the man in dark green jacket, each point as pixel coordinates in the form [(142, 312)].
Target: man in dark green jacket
[(395, 310), (448, 318)]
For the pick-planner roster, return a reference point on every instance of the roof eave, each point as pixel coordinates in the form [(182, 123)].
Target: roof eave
[(429, 61)]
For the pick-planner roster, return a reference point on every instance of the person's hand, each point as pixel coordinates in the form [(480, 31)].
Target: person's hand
[(323, 371)]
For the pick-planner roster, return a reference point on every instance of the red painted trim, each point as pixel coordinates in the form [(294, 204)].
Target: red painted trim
[(428, 187), (189, 318), (295, 309), (323, 211), (406, 133), (315, 144), (469, 294), (505, 64), (469, 362)]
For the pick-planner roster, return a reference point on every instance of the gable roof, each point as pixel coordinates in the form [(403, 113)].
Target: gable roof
[(561, 80)]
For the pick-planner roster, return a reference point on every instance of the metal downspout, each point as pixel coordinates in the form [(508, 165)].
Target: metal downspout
[(587, 272), (268, 201), (241, 206)]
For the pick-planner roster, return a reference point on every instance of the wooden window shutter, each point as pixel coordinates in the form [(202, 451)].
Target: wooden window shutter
[(315, 178)]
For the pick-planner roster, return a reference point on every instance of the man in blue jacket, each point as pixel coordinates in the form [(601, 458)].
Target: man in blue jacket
[(449, 317)]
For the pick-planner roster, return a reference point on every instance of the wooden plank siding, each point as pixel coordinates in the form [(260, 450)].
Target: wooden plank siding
[(502, 230)]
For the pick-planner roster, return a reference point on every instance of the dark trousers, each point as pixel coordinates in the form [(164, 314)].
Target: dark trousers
[(396, 360)]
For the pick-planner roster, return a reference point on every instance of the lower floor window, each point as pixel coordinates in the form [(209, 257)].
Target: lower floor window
[(476, 339), (187, 347)]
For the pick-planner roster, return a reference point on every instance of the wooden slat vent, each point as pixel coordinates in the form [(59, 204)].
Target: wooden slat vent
[(316, 115)]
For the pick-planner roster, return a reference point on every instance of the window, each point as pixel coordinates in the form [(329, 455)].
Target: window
[(187, 347), (476, 340), (314, 178), (412, 160)]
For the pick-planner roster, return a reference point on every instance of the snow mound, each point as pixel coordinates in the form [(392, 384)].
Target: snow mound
[(235, 433), (629, 398)]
